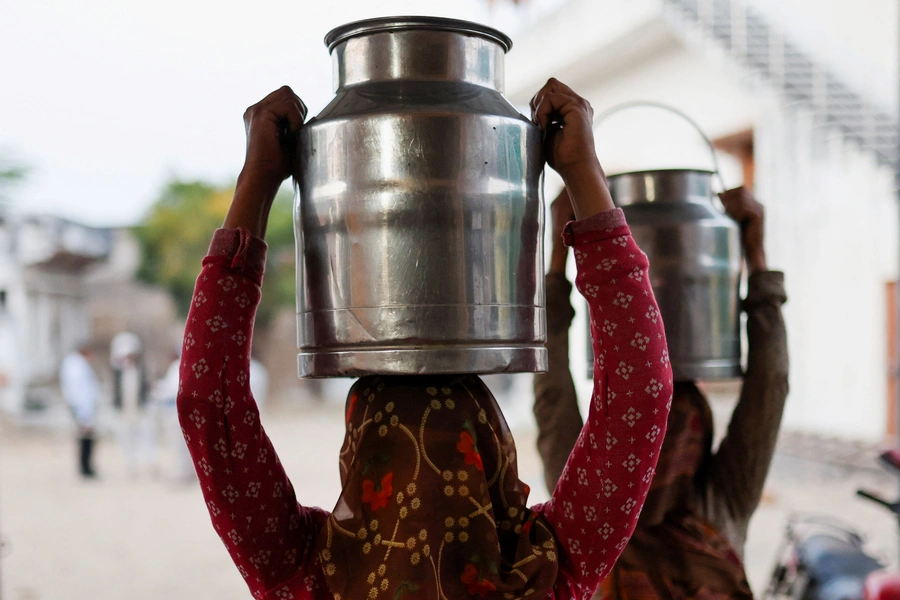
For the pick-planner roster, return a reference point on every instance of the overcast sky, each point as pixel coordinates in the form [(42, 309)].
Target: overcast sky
[(105, 100)]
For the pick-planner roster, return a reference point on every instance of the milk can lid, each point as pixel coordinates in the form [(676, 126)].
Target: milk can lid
[(382, 24)]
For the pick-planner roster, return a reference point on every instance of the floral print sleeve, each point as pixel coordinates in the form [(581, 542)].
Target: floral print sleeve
[(250, 499), (595, 506)]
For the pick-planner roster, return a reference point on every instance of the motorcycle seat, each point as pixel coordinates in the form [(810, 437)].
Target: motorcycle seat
[(837, 567)]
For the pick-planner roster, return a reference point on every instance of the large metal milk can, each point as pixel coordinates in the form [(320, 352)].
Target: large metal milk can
[(695, 263), (418, 213), (694, 252)]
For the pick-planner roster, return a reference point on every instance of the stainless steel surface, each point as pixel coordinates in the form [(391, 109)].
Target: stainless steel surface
[(695, 260), (418, 216), (390, 24), (417, 50), (493, 359)]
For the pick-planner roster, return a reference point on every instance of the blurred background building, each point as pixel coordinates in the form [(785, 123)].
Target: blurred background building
[(63, 283), (43, 301)]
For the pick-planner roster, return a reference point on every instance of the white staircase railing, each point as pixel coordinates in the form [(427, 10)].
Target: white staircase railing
[(764, 49)]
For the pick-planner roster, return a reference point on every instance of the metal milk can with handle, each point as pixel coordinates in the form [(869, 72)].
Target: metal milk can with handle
[(695, 262), (418, 213)]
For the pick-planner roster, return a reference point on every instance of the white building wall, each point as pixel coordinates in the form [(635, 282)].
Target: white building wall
[(832, 226)]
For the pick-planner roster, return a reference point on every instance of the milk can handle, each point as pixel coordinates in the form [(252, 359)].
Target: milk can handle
[(650, 104)]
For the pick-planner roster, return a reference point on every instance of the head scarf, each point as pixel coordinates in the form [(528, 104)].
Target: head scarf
[(431, 505), (674, 553)]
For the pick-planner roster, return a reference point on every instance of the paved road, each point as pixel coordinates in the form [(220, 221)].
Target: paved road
[(149, 538)]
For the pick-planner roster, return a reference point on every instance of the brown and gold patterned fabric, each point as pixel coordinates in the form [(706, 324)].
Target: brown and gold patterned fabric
[(419, 446)]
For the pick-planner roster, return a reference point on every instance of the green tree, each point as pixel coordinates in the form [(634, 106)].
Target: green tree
[(175, 235)]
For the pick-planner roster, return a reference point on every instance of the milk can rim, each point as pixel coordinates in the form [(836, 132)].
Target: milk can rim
[(382, 24), (672, 170)]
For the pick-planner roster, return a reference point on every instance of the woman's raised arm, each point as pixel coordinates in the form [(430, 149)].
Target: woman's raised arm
[(596, 503), (250, 500)]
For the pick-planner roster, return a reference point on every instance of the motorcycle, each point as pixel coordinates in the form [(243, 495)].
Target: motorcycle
[(822, 558)]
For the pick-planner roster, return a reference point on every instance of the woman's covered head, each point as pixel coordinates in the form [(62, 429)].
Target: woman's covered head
[(431, 498), (687, 445)]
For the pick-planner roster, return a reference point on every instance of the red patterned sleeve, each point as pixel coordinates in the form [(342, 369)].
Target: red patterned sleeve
[(596, 504), (250, 499)]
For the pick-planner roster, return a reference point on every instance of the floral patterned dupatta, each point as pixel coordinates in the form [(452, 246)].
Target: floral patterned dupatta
[(432, 506)]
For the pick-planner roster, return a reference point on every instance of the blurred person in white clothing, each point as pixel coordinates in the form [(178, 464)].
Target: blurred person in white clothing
[(81, 392), (136, 429)]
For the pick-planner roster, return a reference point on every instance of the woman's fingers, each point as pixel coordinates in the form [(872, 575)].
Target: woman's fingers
[(281, 105), (556, 96), (272, 125), (564, 104), (740, 205)]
